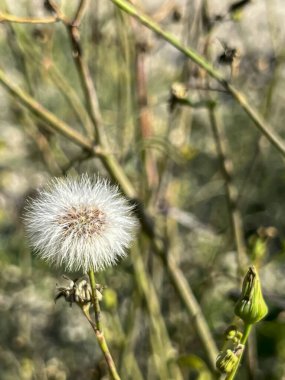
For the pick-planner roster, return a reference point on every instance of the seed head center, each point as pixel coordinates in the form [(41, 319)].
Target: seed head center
[(82, 221)]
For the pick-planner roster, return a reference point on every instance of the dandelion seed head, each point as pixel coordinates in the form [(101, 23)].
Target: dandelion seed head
[(80, 223)]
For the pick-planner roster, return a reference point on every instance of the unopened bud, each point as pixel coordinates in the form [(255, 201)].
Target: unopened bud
[(226, 361), (251, 306), (233, 334)]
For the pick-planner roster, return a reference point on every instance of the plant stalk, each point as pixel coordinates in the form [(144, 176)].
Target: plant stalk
[(97, 327), (247, 329)]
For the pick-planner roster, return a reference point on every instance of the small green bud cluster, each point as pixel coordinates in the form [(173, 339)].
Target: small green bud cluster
[(228, 357), (233, 334), (250, 308)]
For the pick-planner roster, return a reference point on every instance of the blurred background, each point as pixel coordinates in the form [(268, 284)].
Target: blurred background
[(213, 185)]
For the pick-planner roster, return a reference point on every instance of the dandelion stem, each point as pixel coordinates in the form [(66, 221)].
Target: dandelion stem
[(95, 300), (98, 329), (247, 329)]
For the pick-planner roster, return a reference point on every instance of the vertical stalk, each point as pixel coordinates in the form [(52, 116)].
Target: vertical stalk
[(144, 116), (98, 329), (162, 347), (231, 191)]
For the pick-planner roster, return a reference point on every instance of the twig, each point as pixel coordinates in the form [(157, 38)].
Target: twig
[(5, 17), (83, 5), (91, 99), (88, 87)]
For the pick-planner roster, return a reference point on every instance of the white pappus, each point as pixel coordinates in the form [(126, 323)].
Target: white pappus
[(80, 223)]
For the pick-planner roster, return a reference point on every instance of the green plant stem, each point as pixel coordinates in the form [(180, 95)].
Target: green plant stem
[(98, 329), (193, 308), (247, 329), (127, 363), (231, 191), (162, 347), (264, 128), (96, 304)]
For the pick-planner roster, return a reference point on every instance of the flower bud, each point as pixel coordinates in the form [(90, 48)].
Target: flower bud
[(233, 334), (251, 306), (226, 361)]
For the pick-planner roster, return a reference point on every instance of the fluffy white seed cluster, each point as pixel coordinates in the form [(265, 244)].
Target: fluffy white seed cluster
[(80, 223)]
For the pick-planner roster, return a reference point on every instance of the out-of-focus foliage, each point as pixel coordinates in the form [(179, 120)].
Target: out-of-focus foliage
[(170, 156)]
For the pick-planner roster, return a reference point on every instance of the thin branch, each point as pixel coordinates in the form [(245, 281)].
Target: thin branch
[(88, 87), (83, 5), (5, 17)]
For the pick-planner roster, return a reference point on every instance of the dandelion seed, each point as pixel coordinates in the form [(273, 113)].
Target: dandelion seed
[(80, 223)]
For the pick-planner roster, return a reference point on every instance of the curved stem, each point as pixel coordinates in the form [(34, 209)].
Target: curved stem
[(247, 329), (98, 328)]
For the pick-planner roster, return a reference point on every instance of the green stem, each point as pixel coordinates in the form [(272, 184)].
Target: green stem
[(166, 365), (95, 300), (226, 166), (247, 329), (97, 327), (193, 308), (260, 123)]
